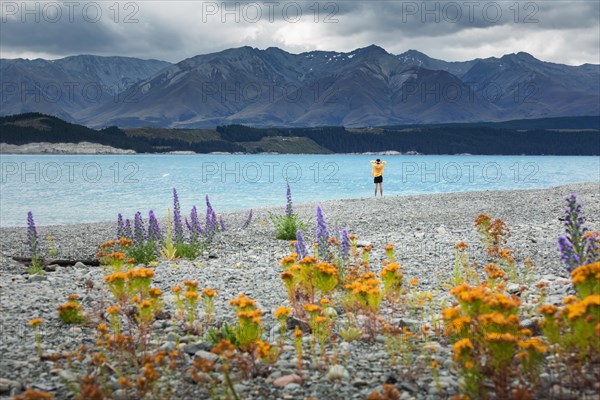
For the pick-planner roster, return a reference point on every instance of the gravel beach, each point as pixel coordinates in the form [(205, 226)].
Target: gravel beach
[(423, 229)]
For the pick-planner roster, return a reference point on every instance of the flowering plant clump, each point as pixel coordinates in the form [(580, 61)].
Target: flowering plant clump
[(116, 284), (33, 247), (489, 341), (300, 245), (144, 247), (462, 272), (71, 312), (148, 243), (289, 224), (192, 299), (169, 251), (249, 329), (579, 245), (125, 349), (364, 294), (248, 220), (321, 325), (282, 314), (344, 254), (208, 296), (574, 329), (325, 277), (392, 281), (35, 323), (322, 236), (112, 253), (139, 282), (492, 233)]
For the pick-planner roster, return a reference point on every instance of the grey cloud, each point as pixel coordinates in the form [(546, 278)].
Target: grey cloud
[(176, 30)]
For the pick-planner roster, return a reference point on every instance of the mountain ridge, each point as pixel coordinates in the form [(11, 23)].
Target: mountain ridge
[(364, 87)]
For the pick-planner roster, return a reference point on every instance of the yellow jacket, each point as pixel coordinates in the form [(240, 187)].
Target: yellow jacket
[(377, 168)]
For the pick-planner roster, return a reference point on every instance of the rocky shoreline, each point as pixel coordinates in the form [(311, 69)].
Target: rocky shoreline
[(61, 148), (96, 148), (423, 229)]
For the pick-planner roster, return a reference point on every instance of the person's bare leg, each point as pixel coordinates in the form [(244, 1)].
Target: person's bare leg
[(375, 190), (381, 189)]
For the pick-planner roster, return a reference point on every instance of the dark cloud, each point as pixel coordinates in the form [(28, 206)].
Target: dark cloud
[(174, 30)]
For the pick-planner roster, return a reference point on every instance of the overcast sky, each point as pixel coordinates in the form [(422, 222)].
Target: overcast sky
[(559, 31)]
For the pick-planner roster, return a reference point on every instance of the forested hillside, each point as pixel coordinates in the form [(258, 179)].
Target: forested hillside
[(558, 136)]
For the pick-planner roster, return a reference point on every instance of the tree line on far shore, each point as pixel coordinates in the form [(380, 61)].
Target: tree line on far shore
[(569, 136)]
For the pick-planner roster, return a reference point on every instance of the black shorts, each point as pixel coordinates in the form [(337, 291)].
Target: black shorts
[(378, 179)]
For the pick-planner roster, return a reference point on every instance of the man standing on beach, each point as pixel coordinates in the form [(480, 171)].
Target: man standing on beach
[(377, 172)]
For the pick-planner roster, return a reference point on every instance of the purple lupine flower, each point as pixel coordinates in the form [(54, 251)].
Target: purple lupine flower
[(576, 246), (195, 227), (322, 235), (591, 244), (177, 224), (345, 249), (190, 228), (248, 220), (300, 245), (154, 233), (211, 218), (222, 223), (120, 231), (567, 253), (289, 211), (139, 231), (33, 239), (127, 230)]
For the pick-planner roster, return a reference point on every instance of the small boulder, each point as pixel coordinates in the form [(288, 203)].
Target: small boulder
[(8, 385), (37, 278), (51, 267), (193, 348), (287, 380), (205, 355)]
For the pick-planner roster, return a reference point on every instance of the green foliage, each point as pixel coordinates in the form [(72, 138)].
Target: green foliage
[(533, 138), (168, 251), (530, 137), (191, 251), (36, 267), (287, 226), (215, 335), (144, 253), (71, 313)]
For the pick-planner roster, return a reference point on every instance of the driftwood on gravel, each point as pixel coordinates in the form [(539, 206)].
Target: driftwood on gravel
[(62, 263)]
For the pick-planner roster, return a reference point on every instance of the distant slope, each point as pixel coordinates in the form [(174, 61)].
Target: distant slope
[(529, 137), (68, 85), (34, 127), (435, 139), (525, 87), (418, 59), (557, 123)]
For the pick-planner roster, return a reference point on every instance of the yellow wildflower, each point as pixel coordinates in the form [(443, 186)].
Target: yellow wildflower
[(282, 312), (461, 346), (35, 322), (210, 293)]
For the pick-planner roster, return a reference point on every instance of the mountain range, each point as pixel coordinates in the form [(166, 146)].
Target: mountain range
[(271, 87)]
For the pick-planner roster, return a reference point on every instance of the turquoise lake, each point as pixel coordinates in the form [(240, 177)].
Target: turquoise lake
[(69, 189)]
